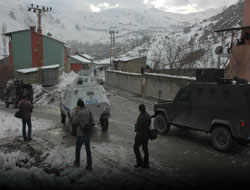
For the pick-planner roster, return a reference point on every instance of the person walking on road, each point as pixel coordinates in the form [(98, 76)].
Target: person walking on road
[(26, 108), (142, 128), (81, 118)]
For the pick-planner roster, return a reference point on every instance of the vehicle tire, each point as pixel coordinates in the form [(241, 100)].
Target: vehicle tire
[(161, 124), (72, 128), (63, 117), (222, 139), (104, 124), (7, 104)]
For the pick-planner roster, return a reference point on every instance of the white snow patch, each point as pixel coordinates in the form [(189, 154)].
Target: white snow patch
[(12, 127)]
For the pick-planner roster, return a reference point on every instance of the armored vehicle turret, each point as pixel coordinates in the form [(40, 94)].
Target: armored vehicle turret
[(94, 96)]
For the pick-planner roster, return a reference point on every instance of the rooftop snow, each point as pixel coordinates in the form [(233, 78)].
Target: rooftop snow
[(30, 70), (87, 56), (104, 61), (171, 76), (81, 59)]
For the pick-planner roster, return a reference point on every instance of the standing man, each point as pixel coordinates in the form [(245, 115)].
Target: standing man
[(142, 128), (81, 118), (26, 108)]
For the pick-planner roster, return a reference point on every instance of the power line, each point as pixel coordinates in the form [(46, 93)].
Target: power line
[(199, 11)]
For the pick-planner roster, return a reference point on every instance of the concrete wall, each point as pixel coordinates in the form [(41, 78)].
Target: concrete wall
[(126, 81), (147, 85), (165, 85)]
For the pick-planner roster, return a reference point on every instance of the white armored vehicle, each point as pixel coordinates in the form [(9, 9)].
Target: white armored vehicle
[(94, 97)]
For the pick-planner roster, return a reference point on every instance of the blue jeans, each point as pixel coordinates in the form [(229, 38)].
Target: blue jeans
[(28, 122), (79, 141)]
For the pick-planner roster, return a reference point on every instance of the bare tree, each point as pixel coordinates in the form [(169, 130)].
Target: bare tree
[(158, 57), (4, 29), (175, 50)]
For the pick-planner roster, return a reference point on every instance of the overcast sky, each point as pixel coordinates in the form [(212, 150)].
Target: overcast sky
[(177, 6)]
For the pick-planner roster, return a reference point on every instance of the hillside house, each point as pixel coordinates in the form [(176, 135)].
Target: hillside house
[(78, 63), (29, 49), (137, 65)]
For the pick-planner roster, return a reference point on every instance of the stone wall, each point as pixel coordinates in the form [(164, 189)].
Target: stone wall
[(127, 81), (147, 85)]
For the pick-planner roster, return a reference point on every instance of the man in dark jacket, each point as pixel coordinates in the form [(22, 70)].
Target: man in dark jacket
[(26, 108), (142, 128), (81, 118)]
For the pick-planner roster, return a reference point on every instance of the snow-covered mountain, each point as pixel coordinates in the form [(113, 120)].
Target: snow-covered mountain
[(95, 27), (193, 32), (194, 46)]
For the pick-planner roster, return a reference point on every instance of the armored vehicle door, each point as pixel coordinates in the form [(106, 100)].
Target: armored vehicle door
[(67, 99), (182, 107), (96, 102)]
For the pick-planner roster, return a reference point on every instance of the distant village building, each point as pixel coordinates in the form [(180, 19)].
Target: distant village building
[(78, 63), (24, 46), (137, 65), (103, 64), (88, 56)]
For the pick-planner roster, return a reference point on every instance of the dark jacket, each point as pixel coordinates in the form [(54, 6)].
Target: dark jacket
[(26, 108), (81, 118), (143, 123)]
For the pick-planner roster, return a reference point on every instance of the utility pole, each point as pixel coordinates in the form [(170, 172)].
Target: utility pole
[(39, 12), (112, 45)]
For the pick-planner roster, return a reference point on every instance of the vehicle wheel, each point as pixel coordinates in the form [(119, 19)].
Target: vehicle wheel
[(104, 124), (222, 139), (7, 105), (161, 124), (72, 128), (63, 117)]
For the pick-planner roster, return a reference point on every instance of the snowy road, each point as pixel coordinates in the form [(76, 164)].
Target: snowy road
[(179, 159)]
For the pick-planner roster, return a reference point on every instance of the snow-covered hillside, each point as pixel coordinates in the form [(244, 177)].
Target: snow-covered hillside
[(193, 46), (94, 27), (193, 32)]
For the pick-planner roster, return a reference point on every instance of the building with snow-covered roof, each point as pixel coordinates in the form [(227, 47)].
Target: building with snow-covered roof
[(29, 49), (87, 56), (47, 75), (78, 63), (137, 65)]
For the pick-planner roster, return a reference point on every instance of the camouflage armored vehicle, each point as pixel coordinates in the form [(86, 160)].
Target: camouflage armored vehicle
[(14, 93), (94, 97), (222, 109)]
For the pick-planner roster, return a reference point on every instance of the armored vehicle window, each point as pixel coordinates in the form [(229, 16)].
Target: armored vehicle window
[(80, 81), (185, 96), (90, 93)]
